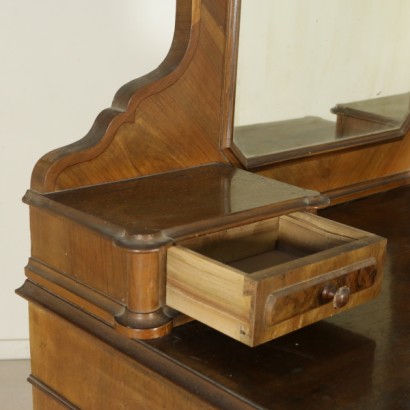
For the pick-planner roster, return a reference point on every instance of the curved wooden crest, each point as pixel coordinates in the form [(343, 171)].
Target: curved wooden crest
[(170, 119)]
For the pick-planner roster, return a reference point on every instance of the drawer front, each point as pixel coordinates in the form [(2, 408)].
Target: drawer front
[(335, 288), (308, 269)]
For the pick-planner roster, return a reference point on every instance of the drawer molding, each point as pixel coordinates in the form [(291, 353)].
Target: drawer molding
[(300, 298)]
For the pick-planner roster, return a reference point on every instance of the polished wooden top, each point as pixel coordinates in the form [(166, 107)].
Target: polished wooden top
[(176, 204), (261, 144), (258, 145), (391, 110)]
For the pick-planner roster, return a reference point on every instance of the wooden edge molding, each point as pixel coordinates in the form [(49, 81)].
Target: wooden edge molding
[(100, 306), (165, 238), (362, 275), (135, 325), (119, 236), (143, 326), (126, 101), (367, 188), (37, 383), (230, 69)]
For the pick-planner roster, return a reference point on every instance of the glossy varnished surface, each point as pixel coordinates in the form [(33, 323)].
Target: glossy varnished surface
[(357, 360), (180, 201), (358, 123), (391, 110), (262, 144)]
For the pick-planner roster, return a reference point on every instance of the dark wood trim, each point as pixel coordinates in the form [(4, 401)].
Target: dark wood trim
[(79, 295), (109, 230), (231, 61), (37, 383), (366, 188), (307, 199)]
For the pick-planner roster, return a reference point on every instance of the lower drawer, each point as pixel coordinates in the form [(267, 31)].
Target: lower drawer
[(259, 281)]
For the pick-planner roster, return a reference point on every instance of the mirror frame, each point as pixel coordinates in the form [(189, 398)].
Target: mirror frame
[(228, 112)]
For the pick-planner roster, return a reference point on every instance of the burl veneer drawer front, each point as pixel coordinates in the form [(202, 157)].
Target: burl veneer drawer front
[(259, 281)]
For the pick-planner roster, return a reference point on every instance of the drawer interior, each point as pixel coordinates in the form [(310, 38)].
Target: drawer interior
[(269, 243)]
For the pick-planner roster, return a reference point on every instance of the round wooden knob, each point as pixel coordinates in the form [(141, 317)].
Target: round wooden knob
[(340, 296)]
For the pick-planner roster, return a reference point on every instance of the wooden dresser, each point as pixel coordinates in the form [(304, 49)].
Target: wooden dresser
[(165, 275)]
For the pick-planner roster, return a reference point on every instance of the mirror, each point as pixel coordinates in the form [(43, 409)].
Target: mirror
[(319, 75)]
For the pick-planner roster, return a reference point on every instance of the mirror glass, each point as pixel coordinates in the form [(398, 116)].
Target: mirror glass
[(315, 75)]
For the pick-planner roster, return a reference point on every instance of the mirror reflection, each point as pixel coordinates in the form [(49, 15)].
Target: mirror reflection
[(317, 75)]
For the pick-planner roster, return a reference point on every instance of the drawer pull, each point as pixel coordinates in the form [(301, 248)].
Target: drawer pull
[(340, 296)]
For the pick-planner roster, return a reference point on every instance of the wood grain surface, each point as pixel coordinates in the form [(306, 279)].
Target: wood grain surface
[(357, 360), (292, 260), (169, 119)]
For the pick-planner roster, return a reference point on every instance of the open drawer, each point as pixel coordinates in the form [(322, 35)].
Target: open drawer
[(259, 281)]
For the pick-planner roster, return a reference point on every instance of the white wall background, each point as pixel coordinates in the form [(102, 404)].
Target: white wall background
[(60, 64), (321, 52)]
